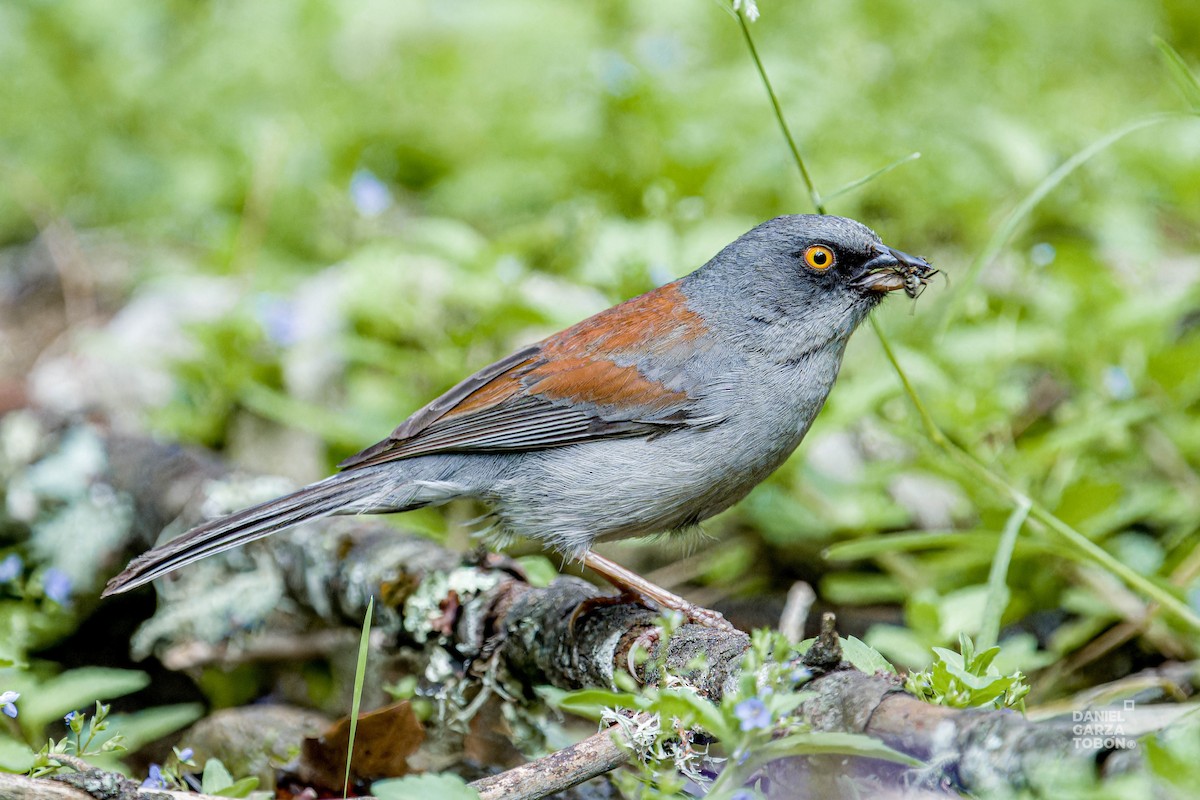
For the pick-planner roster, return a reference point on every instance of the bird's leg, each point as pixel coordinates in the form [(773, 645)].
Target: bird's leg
[(629, 581)]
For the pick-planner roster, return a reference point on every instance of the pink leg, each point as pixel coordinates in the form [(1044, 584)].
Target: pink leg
[(629, 581)]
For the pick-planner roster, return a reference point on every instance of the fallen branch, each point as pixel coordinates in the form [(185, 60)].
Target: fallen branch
[(88, 786), (547, 776)]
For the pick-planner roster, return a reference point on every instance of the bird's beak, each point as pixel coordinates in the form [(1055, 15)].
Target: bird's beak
[(891, 269)]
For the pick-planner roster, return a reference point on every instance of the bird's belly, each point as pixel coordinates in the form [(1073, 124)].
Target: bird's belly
[(570, 497)]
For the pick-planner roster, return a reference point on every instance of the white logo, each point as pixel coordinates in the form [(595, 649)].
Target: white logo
[(1102, 729)]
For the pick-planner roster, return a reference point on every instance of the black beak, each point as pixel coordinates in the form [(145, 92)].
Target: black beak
[(890, 269)]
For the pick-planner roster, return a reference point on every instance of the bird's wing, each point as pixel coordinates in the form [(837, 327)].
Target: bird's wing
[(619, 373)]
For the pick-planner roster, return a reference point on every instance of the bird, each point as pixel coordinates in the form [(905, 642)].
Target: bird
[(646, 418)]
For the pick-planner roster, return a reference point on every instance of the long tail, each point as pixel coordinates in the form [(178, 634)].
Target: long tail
[(346, 491)]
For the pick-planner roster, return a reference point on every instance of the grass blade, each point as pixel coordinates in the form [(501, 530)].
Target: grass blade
[(1182, 74), (997, 591), (850, 187), (360, 675)]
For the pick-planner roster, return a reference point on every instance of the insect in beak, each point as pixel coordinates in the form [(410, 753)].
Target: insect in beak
[(890, 270)]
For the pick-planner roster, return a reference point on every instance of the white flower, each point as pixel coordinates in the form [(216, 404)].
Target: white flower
[(747, 7)]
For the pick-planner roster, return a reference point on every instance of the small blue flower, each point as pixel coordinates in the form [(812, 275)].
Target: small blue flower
[(801, 675), (186, 754), (1042, 254), (155, 779), (57, 586), (277, 317), (8, 703), (11, 568), (753, 714), (71, 715), (368, 193), (1118, 384), (743, 794)]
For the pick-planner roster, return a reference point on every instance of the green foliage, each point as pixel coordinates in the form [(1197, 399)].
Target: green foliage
[(52, 698), (140, 728), (212, 384), (967, 679), (77, 742), (217, 780), (1173, 757)]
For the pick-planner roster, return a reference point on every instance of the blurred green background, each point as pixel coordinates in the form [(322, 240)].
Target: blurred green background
[(346, 207)]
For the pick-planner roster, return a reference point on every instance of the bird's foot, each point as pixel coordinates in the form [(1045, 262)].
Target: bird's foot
[(652, 595)]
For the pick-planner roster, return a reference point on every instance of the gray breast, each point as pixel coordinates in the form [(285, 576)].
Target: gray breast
[(572, 496)]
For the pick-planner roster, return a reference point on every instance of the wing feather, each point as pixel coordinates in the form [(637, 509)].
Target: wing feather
[(581, 384)]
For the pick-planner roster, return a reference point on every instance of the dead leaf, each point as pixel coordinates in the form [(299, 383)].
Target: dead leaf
[(383, 741)]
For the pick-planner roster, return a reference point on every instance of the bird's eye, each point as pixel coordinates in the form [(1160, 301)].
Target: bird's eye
[(819, 257)]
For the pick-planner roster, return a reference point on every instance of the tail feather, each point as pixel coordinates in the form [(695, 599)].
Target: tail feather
[(342, 492)]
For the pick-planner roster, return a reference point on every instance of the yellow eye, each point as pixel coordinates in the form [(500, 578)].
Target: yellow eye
[(819, 257)]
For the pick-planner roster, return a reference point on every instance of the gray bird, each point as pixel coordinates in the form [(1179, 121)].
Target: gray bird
[(648, 417)]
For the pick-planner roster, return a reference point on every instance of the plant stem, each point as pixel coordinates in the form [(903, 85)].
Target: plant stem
[(813, 194)]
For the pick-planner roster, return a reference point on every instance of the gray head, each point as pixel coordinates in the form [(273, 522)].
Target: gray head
[(810, 279)]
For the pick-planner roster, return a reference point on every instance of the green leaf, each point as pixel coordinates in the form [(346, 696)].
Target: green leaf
[(77, 689), (15, 756), (587, 703), (864, 657), (691, 709), (142, 727), (539, 570), (239, 788), (982, 661), (424, 787), (216, 777), (870, 546)]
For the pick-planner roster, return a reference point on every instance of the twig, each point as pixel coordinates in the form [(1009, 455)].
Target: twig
[(800, 599), (265, 646), (557, 772)]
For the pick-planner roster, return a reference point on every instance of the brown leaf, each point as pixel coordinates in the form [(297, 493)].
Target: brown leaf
[(383, 741)]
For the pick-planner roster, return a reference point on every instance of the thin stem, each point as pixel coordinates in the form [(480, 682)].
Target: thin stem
[(850, 187), (813, 194)]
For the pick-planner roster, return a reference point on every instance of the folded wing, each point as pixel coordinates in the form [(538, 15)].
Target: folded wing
[(619, 373)]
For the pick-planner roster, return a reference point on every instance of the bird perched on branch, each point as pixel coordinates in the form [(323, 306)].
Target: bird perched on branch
[(648, 417)]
